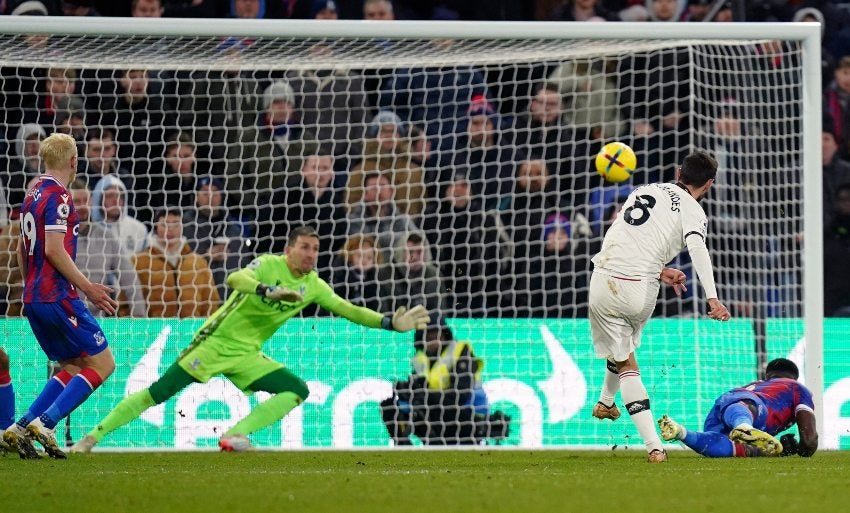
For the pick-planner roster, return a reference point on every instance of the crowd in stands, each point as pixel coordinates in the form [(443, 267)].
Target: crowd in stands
[(448, 187)]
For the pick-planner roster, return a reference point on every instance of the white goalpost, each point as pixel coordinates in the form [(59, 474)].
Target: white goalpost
[(470, 141)]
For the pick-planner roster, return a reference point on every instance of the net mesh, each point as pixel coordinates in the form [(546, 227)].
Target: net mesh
[(453, 173)]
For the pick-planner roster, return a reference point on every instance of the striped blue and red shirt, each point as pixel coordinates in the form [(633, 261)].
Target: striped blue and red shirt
[(783, 397), (47, 207)]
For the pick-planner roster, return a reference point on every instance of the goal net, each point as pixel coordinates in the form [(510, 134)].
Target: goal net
[(440, 166)]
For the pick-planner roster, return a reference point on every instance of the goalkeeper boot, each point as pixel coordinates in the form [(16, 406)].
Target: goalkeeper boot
[(84, 445), (769, 445), (600, 411), (657, 456), (670, 429), (17, 439), (47, 438), (235, 443)]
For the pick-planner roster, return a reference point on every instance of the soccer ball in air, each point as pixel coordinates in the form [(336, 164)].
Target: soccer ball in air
[(616, 162)]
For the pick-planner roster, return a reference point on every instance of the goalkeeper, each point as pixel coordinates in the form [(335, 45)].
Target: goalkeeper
[(268, 292)]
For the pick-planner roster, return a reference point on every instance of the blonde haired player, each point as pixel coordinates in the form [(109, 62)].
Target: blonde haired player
[(657, 221), (65, 329)]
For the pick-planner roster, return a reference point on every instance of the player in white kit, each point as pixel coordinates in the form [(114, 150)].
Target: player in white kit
[(656, 222)]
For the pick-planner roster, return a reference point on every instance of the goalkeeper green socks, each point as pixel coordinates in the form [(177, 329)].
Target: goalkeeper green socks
[(128, 409), (266, 413)]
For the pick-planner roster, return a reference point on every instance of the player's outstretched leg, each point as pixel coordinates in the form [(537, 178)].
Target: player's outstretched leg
[(174, 380), (289, 390), (707, 443)]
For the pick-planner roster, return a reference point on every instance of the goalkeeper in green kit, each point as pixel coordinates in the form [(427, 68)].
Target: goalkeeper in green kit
[(268, 292)]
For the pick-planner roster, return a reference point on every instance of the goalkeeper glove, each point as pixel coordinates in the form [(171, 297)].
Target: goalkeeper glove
[(279, 293), (405, 320)]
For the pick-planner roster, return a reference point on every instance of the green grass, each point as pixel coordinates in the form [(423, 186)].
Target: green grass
[(418, 481)]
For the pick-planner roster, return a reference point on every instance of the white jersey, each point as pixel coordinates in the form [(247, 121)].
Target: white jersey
[(650, 231)]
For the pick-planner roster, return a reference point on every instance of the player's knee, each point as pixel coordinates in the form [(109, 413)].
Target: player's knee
[(4, 361)]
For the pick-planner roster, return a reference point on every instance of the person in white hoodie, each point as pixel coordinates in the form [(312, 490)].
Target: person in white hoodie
[(109, 207)]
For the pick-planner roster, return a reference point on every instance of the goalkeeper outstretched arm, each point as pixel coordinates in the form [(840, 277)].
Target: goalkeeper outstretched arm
[(246, 281), (402, 320)]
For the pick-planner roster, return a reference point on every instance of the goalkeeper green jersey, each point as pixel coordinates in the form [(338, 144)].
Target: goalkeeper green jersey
[(246, 321)]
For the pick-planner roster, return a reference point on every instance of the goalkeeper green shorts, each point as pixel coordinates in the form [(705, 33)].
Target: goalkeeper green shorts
[(204, 362)]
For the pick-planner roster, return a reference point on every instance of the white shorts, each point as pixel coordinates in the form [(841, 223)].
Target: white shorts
[(619, 309)]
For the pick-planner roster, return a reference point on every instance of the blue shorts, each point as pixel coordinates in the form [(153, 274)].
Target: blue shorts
[(65, 329), (714, 419)]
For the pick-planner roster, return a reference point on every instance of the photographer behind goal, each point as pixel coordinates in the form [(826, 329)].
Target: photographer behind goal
[(442, 401)]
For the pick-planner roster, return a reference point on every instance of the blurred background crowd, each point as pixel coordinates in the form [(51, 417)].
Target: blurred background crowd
[(468, 189)]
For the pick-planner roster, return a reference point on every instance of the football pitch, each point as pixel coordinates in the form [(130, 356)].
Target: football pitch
[(435, 481)]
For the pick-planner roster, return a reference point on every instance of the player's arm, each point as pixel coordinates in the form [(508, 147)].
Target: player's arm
[(402, 320), (245, 281), (806, 424), (702, 264), (54, 252)]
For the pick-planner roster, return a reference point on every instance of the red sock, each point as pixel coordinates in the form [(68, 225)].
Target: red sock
[(5, 377), (92, 377)]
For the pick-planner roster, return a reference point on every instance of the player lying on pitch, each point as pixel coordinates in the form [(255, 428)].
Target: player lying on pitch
[(744, 420)]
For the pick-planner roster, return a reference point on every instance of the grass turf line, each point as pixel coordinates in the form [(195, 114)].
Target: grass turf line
[(468, 481)]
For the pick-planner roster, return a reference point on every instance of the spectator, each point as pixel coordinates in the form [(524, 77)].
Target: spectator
[(544, 134), (486, 155), (467, 245), (172, 180), (139, 121), (665, 10), (73, 123), (218, 104), (836, 172), (378, 10), (442, 402), (248, 9), (109, 207), (323, 10), (176, 281), (310, 198), (386, 150), (585, 10), (101, 159), (332, 105), (561, 274), (376, 215), (146, 9), (835, 251), (57, 99), (590, 96), (411, 278), (836, 103), (523, 214), (436, 98), (78, 8), (355, 271), (212, 233), (24, 165), (102, 259), (265, 156)]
